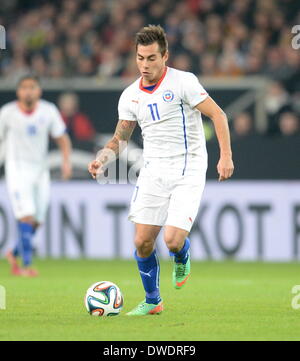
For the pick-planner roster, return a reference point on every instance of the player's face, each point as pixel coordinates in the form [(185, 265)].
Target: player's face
[(150, 62), (29, 92)]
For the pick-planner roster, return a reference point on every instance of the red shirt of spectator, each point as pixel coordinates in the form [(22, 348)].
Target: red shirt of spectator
[(78, 124)]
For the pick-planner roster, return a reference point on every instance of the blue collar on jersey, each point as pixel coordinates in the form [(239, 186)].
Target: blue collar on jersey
[(150, 88)]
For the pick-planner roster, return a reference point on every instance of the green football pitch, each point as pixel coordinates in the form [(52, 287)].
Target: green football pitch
[(221, 301)]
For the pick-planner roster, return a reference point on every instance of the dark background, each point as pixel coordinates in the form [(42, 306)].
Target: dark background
[(255, 156)]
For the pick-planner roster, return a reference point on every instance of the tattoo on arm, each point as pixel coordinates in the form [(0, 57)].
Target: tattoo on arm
[(124, 129), (118, 142)]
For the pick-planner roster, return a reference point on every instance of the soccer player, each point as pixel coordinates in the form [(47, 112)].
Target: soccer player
[(167, 104), (25, 126)]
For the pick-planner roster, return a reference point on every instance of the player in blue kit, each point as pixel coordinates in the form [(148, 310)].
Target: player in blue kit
[(167, 104)]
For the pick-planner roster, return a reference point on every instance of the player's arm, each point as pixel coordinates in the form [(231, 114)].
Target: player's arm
[(64, 144), (211, 109), (113, 148)]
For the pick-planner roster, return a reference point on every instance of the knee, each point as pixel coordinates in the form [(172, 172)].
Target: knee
[(174, 245), (144, 246)]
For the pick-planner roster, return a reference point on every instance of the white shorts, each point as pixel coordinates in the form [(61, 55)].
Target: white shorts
[(29, 191), (168, 193)]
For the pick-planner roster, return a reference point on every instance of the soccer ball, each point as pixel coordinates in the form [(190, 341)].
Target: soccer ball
[(103, 298)]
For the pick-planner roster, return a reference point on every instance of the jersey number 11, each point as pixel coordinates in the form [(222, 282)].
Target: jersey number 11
[(155, 116)]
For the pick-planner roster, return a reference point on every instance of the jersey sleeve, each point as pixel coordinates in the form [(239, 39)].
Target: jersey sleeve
[(125, 108), (193, 91), (57, 127)]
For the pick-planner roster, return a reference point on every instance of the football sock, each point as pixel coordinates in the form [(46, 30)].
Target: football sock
[(149, 271), (17, 250), (183, 254), (26, 232)]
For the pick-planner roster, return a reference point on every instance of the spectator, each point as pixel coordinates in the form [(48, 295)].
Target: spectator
[(253, 64), (182, 62), (275, 65), (78, 124), (56, 71), (73, 52), (130, 70), (242, 126), (231, 60), (208, 65), (291, 72), (276, 102), (289, 124), (110, 63), (84, 66), (39, 65), (296, 103), (16, 68)]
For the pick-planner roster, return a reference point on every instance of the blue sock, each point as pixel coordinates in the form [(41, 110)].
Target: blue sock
[(183, 255), (26, 232), (149, 271), (17, 250)]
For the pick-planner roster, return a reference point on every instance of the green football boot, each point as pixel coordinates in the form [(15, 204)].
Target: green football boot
[(143, 309), (181, 273)]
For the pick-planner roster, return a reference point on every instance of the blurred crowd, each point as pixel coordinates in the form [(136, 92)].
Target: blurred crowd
[(67, 38), (94, 37), (282, 111)]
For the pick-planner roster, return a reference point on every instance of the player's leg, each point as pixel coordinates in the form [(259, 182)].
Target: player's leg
[(23, 247), (147, 260), (148, 210), (21, 191), (23, 208), (183, 208), (148, 265), (29, 225), (13, 261), (179, 246), (27, 228)]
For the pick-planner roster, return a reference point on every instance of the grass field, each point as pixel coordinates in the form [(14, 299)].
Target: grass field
[(221, 301)]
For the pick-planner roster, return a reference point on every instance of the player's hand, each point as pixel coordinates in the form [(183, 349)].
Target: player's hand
[(225, 168), (66, 170), (95, 168)]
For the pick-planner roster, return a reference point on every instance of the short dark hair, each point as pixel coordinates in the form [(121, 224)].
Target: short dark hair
[(151, 34), (28, 76)]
